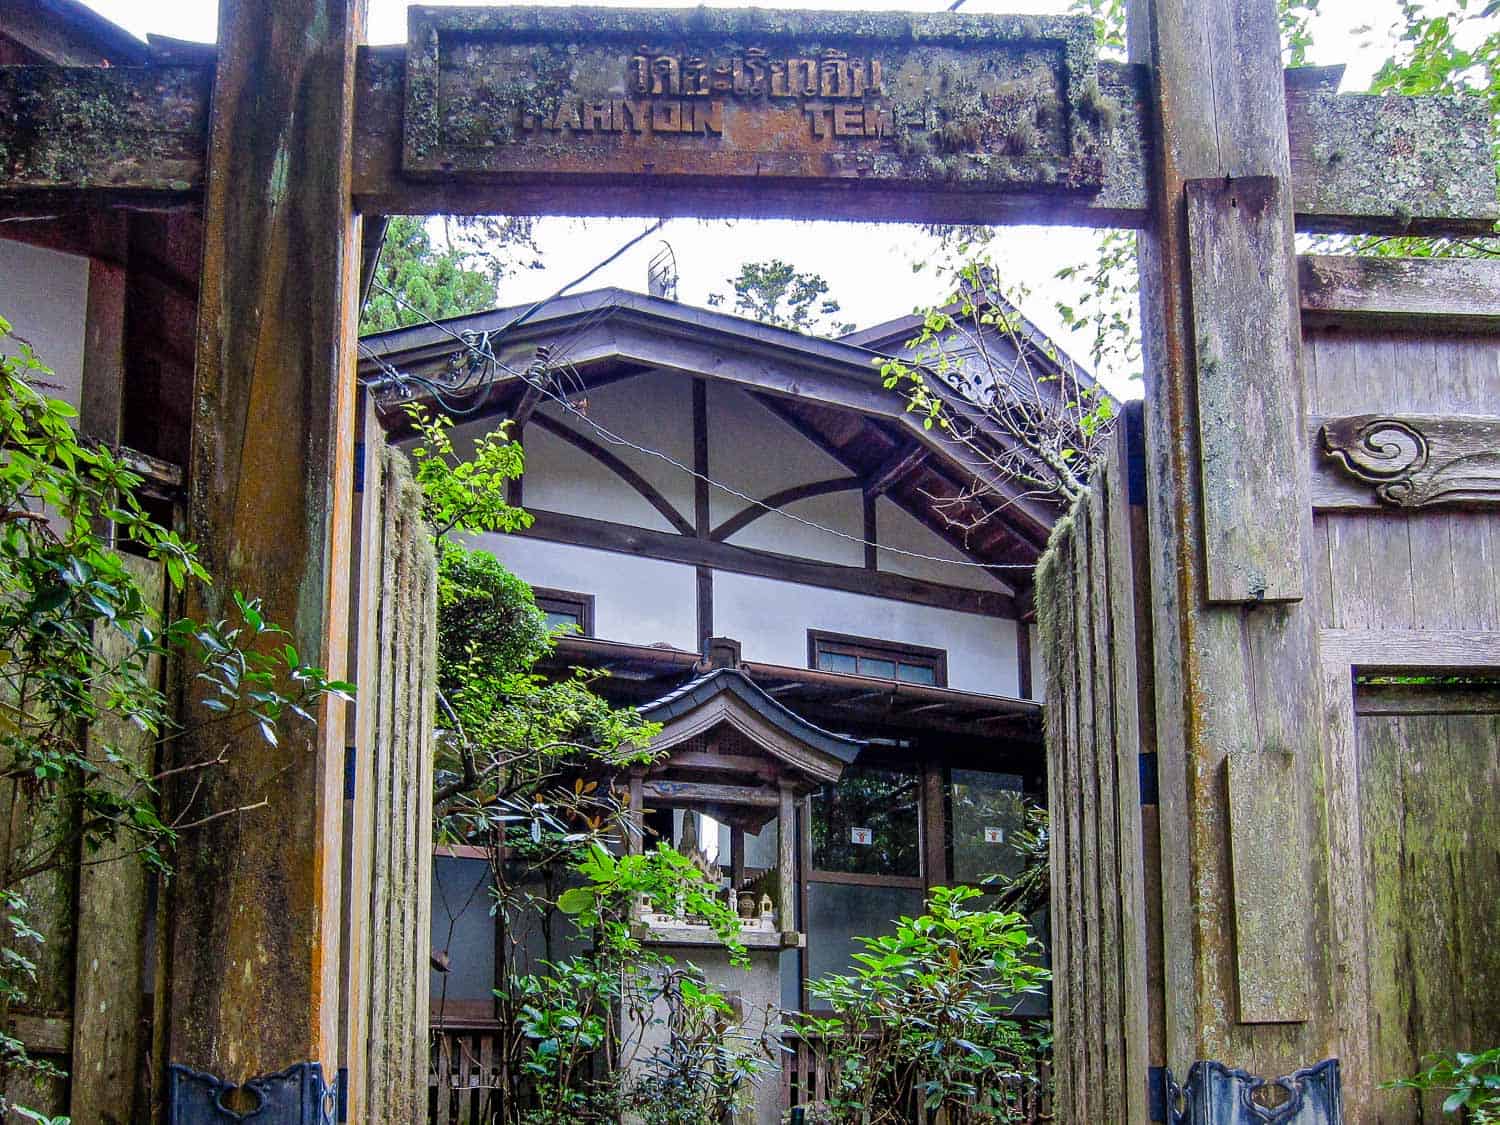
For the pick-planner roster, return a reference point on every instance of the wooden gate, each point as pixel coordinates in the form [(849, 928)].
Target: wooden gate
[(1389, 947)]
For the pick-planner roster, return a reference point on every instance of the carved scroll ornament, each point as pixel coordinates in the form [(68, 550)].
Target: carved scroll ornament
[(1417, 461)]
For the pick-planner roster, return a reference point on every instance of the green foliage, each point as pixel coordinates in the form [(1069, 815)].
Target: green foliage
[(465, 496), (79, 642), (1471, 1080), (930, 1009), (416, 280), (777, 293), (581, 1016), (705, 1071), (527, 767), (488, 622), (976, 371)]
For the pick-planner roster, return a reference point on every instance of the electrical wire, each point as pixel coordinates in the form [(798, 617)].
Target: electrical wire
[(486, 354)]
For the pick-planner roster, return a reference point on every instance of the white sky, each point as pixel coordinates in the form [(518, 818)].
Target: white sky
[(868, 266)]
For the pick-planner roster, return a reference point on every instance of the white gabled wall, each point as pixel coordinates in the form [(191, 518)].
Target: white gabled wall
[(645, 601), (770, 619), (46, 302), (942, 562), (642, 601)]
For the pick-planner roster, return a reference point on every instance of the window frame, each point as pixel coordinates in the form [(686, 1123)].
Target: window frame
[(550, 600), (871, 648)]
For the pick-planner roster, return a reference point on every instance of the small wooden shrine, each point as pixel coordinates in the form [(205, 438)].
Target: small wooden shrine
[(737, 755)]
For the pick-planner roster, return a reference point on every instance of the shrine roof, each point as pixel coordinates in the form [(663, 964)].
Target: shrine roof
[(729, 695)]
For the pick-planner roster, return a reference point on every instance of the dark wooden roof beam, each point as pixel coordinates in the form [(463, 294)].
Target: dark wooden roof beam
[(896, 470)]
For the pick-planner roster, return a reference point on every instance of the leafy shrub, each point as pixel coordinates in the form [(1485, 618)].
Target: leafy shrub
[(1472, 1080), (928, 1013)]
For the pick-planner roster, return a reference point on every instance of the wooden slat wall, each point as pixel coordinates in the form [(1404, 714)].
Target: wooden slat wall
[(401, 687), (1086, 613), (1414, 824), (1435, 569)]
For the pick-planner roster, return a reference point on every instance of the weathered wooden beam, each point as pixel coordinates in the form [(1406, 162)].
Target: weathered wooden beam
[(894, 471), (141, 129), (252, 945), (707, 793), (1437, 294), (1229, 679), (1368, 145), (601, 535), (1360, 163)]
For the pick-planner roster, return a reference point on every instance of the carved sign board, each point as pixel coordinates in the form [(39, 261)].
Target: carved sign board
[(982, 102)]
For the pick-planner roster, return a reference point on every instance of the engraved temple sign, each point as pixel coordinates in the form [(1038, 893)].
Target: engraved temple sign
[(982, 102)]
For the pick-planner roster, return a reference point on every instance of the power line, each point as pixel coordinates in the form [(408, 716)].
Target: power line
[(487, 355)]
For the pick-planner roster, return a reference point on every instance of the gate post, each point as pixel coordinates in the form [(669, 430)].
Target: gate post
[(251, 941), (1230, 532)]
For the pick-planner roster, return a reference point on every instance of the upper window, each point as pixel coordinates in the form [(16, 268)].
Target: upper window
[(884, 660), (565, 608)]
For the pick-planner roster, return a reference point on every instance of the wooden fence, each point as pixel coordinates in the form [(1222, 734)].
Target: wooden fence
[(1086, 607), (400, 685), (465, 1072), (1246, 901)]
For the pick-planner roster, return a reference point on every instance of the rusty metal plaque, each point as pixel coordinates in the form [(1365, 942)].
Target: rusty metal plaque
[(981, 102)]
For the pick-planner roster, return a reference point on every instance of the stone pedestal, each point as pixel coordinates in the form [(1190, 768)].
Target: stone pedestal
[(755, 993)]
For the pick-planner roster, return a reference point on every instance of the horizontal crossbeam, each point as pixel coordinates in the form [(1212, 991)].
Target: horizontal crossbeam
[(1360, 163)]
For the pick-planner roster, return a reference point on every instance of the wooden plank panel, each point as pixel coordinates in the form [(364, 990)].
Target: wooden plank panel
[(1429, 575), (1088, 805), (1348, 907), (421, 860), (381, 753), (1250, 425), (1124, 661), (1104, 612), (1267, 850), (108, 1007), (1429, 792), (1441, 294), (1052, 602)]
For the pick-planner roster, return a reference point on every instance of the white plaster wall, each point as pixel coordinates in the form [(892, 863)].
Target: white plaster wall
[(1038, 670), (654, 410), (840, 511), (45, 298), (562, 478), (770, 619), (895, 528), (641, 601)]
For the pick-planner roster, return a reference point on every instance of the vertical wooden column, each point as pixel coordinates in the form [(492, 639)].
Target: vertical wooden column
[(786, 862), (253, 929), (1245, 913)]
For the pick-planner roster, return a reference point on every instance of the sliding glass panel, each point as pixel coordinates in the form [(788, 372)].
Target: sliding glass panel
[(987, 810), (866, 823), (838, 912)]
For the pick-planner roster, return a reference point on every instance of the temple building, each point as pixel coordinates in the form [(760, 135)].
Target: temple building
[(768, 553)]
